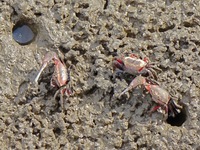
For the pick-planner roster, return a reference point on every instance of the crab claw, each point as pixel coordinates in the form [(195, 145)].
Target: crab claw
[(50, 56), (139, 80)]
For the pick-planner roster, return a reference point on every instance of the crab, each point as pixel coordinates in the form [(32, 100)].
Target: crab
[(61, 75), (159, 95), (133, 65)]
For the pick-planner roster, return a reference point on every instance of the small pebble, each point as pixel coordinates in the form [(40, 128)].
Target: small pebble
[(23, 34)]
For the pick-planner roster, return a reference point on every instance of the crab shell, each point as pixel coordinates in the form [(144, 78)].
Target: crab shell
[(131, 65), (159, 95)]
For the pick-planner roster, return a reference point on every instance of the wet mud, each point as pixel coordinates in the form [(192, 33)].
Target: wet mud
[(90, 33)]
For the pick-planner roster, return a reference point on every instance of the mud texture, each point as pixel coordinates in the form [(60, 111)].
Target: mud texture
[(90, 33)]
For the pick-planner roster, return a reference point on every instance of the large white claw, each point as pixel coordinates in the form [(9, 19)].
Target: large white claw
[(39, 73), (47, 58), (139, 80)]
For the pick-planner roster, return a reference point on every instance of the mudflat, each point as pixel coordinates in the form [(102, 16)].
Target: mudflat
[(89, 34)]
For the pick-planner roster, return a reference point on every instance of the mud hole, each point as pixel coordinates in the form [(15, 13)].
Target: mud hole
[(90, 33)]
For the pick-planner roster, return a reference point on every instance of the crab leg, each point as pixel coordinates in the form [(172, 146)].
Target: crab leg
[(155, 67), (174, 108)]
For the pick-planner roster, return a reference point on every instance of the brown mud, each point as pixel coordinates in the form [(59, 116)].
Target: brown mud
[(90, 33)]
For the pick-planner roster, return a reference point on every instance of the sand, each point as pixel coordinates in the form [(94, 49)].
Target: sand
[(90, 33)]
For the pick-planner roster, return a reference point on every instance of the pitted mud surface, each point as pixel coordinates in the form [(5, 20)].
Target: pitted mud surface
[(90, 33)]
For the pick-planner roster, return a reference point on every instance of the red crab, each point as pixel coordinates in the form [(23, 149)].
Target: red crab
[(134, 65), (159, 95), (61, 75)]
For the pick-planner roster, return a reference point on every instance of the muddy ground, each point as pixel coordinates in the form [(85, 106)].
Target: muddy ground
[(90, 33)]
